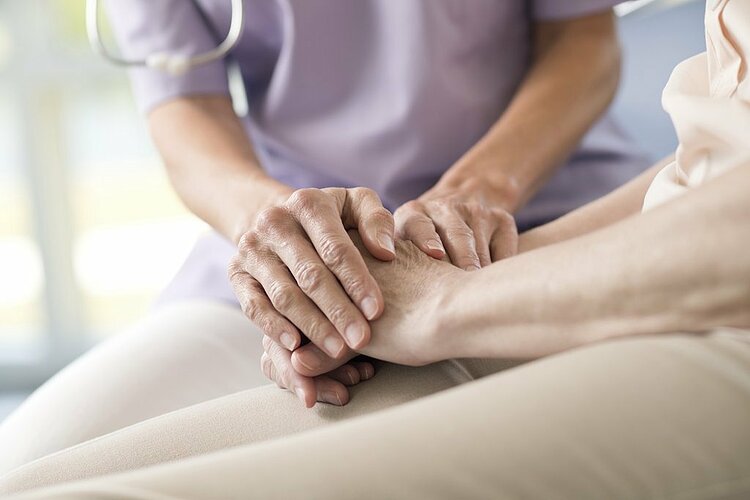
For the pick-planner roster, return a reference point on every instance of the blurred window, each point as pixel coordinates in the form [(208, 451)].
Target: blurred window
[(90, 230)]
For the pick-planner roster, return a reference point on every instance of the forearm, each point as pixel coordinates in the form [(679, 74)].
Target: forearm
[(684, 266), (211, 162), (572, 79), (623, 202)]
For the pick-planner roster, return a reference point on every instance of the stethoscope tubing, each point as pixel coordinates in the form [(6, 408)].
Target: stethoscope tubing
[(171, 63)]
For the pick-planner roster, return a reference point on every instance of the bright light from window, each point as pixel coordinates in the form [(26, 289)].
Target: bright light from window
[(21, 271), (133, 258)]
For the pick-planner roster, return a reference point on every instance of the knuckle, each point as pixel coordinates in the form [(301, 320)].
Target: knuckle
[(305, 198), (505, 218), (282, 296), (284, 375), (269, 219), (339, 315), (234, 268), (410, 206), (355, 286), (333, 251), (251, 309), (318, 329), (478, 211), (381, 217), (248, 242), (444, 205), (311, 276), (362, 193)]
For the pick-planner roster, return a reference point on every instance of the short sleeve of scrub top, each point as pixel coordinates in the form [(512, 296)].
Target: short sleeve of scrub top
[(385, 94), (181, 30)]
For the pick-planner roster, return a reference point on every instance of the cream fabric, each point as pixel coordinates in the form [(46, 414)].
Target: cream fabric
[(658, 417), (177, 356), (708, 98), (119, 407)]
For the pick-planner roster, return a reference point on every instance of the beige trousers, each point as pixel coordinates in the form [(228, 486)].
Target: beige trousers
[(649, 417)]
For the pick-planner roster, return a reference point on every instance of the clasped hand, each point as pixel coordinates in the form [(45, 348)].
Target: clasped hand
[(299, 276)]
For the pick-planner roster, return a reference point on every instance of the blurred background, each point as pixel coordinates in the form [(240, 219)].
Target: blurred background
[(90, 230)]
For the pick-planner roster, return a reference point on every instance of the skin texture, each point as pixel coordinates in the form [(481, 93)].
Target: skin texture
[(298, 268), (616, 274), (466, 217), (572, 79)]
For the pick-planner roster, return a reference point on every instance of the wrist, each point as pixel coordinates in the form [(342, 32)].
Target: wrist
[(485, 181), (266, 192), (447, 333)]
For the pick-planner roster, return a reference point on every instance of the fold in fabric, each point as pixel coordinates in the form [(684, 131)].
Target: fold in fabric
[(708, 98)]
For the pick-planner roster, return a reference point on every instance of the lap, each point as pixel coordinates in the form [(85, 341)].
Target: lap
[(237, 418), (645, 417), (179, 355)]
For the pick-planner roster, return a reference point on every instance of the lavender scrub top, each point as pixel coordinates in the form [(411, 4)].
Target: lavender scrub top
[(386, 94)]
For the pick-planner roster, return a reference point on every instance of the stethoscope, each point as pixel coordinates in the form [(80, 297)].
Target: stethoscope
[(175, 64)]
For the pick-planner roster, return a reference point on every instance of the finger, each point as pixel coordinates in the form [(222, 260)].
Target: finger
[(364, 211), (458, 238), (331, 391), (321, 221), (284, 374), (504, 242), (482, 230), (310, 360), (320, 285), (414, 225), (353, 372), (326, 389), (258, 308), (347, 375), (365, 368), (287, 298)]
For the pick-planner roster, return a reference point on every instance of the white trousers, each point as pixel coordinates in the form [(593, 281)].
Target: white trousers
[(167, 410)]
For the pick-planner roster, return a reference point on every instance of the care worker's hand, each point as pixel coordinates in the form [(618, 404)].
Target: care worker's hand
[(330, 387), (465, 226), (297, 272)]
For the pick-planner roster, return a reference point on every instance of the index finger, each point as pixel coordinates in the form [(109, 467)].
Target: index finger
[(337, 251)]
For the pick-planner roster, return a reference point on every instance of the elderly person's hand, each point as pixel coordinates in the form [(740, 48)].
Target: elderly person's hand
[(298, 273), (331, 387), (413, 287)]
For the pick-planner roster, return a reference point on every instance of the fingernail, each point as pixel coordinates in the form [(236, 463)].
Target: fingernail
[(354, 335), (288, 341), (472, 267), (434, 245), (370, 307), (386, 242), (351, 376), (309, 359), (332, 397), (300, 394), (368, 373), (333, 345)]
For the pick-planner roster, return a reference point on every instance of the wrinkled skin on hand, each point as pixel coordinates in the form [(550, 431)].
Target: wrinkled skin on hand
[(413, 286)]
